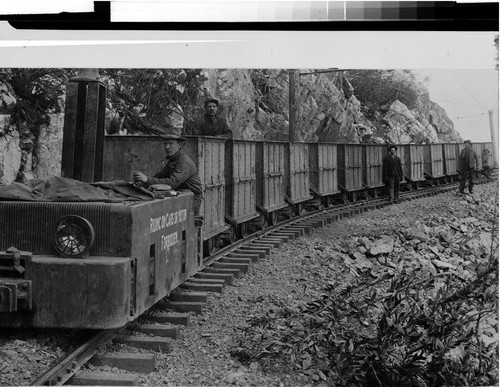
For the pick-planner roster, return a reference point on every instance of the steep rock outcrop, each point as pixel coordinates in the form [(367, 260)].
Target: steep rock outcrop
[(255, 103), (10, 151), (405, 128), (49, 151), (444, 126)]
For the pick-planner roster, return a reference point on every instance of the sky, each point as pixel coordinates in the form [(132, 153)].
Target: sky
[(467, 96)]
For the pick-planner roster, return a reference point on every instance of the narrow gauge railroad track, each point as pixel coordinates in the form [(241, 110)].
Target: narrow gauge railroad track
[(217, 271)]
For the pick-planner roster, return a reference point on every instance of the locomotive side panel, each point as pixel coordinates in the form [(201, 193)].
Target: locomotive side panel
[(164, 247)]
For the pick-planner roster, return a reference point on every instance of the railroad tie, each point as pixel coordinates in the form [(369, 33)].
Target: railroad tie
[(132, 362), (243, 267), (221, 270), (204, 285), (183, 307), (232, 259), (227, 277), (239, 257), (170, 317), (164, 330), (188, 296), (295, 231), (306, 228), (261, 253), (160, 344), (267, 241), (257, 246), (89, 378)]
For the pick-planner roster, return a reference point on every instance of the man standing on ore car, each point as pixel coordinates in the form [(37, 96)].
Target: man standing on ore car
[(469, 163), (210, 124), (179, 172), (392, 172)]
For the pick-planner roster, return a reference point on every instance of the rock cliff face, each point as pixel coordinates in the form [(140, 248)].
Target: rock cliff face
[(256, 105)]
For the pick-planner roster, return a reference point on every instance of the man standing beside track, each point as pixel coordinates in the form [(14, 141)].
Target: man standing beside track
[(179, 172), (469, 163), (210, 124), (392, 172)]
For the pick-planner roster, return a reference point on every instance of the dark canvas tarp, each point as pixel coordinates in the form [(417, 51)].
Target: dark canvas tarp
[(59, 189)]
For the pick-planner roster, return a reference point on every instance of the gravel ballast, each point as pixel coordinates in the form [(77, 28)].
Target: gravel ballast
[(286, 279)]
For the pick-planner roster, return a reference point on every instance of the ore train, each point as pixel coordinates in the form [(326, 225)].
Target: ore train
[(100, 264), (134, 253)]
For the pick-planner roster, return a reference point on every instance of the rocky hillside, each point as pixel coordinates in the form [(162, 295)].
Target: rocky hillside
[(330, 105)]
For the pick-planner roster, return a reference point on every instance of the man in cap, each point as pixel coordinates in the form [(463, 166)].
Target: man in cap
[(210, 124), (179, 172), (392, 172), (469, 163)]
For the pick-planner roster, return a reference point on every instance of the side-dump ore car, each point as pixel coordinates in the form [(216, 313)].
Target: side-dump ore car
[(92, 264), (413, 167)]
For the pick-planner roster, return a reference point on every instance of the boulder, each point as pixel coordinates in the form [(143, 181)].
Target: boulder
[(362, 261), (384, 245), (238, 377)]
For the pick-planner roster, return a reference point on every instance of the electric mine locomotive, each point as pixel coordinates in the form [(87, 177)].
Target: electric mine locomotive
[(101, 263), (93, 265)]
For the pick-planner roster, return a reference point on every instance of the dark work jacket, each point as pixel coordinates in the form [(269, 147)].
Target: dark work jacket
[(206, 126), (468, 159), (179, 173), (391, 167)]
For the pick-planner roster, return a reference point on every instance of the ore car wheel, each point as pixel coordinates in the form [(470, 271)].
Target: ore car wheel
[(273, 218), (262, 222), (243, 230), (209, 247)]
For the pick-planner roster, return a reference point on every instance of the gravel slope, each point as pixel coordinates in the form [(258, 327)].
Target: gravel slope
[(202, 356)]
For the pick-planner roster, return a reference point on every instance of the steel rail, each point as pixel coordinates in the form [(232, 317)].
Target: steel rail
[(72, 362)]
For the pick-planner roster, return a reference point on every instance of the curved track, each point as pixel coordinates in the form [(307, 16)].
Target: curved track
[(240, 253)]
